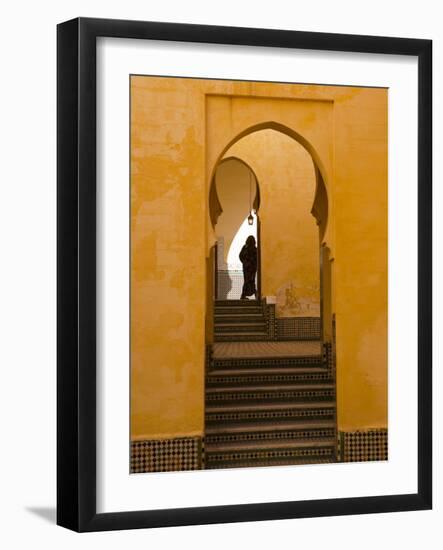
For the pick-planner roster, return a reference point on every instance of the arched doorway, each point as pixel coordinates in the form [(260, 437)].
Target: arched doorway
[(293, 202)]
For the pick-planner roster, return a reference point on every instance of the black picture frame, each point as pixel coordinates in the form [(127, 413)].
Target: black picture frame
[(76, 274)]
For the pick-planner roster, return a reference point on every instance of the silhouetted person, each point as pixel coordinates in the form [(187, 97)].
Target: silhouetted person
[(248, 257)]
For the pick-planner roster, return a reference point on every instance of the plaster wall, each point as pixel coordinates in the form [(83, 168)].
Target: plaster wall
[(180, 129)]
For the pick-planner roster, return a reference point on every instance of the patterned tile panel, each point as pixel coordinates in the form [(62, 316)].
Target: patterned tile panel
[(166, 455), (298, 328), (364, 446)]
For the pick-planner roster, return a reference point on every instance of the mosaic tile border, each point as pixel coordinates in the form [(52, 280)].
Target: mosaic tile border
[(166, 455), (297, 328), (363, 445)]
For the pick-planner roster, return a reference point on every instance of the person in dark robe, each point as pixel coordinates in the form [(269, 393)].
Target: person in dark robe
[(248, 257)]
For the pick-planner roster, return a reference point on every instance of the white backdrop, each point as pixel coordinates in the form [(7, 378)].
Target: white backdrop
[(27, 399)]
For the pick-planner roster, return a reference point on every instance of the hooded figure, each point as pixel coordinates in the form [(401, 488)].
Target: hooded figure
[(248, 257)]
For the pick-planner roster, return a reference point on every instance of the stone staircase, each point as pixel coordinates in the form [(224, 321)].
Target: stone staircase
[(266, 410), (239, 320)]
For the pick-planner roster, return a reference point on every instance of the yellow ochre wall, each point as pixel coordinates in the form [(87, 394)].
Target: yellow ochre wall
[(290, 267), (168, 248), (180, 129)]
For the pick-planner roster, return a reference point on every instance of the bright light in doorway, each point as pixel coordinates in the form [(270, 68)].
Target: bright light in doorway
[(239, 240)]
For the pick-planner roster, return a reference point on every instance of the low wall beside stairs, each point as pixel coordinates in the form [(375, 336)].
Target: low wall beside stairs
[(291, 328)]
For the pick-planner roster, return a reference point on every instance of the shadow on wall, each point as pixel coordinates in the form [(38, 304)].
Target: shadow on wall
[(225, 284), (230, 284), (46, 513)]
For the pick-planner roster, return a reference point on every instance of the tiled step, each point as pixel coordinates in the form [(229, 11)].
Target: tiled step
[(292, 392), (272, 412), (241, 337), (240, 318), (237, 303), (249, 432), (268, 363), (248, 446), (278, 461), (240, 327), (244, 377), (267, 453), (238, 311), (267, 349)]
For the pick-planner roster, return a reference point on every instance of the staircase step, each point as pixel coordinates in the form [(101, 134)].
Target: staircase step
[(278, 461), (263, 371), (241, 337), (241, 318), (250, 430), (240, 327), (272, 428), (238, 303), (272, 432), (296, 393), (269, 363), (259, 388), (268, 380), (277, 406), (238, 311), (266, 376), (269, 412), (248, 446)]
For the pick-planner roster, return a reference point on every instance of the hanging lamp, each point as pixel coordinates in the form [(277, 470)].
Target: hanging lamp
[(250, 217)]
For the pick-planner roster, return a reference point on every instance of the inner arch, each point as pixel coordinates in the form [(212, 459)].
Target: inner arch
[(236, 187)]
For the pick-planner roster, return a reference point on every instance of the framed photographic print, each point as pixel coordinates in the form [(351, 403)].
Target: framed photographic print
[(244, 274)]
